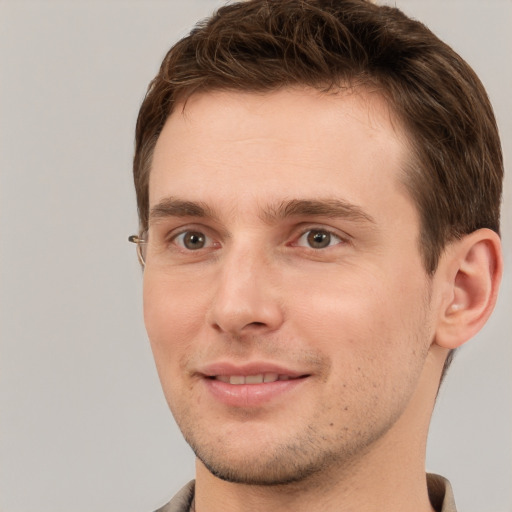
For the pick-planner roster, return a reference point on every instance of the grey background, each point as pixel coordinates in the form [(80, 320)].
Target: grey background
[(83, 423)]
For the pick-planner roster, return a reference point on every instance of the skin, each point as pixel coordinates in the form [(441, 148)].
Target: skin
[(358, 318)]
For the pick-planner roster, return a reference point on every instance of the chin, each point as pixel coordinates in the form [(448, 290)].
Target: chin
[(267, 464), (273, 472)]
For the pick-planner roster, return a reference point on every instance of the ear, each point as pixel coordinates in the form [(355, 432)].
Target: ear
[(470, 270)]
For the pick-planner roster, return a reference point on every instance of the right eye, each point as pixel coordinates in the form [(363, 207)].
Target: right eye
[(193, 240)]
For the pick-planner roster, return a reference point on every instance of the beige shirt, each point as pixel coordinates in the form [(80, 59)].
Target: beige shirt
[(439, 492)]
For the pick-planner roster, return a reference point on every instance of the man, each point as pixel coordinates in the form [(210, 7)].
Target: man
[(318, 185)]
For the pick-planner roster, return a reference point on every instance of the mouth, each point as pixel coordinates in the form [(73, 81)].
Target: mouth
[(252, 385), (260, 378)]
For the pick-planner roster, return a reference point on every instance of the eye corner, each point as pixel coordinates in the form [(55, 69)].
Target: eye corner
[(319, 238), (193, 240)]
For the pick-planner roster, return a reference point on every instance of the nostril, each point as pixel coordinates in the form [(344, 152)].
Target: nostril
[(245, 314)]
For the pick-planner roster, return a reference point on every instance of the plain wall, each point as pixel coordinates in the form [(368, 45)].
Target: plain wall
[(83, 423)]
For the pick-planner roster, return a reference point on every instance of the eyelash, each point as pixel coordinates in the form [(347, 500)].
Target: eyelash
[(175, 237), (342, 239), (331, 234)]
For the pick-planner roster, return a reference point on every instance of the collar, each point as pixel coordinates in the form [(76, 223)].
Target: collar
[(439, 492)]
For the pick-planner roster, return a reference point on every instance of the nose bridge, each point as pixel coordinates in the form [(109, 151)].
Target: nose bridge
[(245, 297), (242, 264)]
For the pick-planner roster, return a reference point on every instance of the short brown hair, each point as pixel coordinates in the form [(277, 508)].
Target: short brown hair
[(455, 173)]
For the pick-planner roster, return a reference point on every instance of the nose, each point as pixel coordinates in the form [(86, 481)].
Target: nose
[(246, 299)]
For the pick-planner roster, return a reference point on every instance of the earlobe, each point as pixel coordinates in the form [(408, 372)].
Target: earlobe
[(472, 268)]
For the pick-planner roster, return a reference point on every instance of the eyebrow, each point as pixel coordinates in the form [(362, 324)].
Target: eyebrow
[(172, 207), (331, 208)]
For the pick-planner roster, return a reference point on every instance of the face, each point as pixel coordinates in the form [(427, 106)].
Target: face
[(284, 293)]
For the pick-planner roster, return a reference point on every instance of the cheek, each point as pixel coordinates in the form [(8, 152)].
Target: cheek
[(368, 322), (173, 316), (376, 347)]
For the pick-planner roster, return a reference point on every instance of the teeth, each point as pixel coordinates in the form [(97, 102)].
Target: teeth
[(251, 379), (254, 379)]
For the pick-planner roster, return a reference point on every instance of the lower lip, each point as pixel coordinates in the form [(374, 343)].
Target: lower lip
[(251, 395)]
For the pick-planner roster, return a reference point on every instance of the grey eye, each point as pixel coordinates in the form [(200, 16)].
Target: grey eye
[(192, 240), (318, 239)]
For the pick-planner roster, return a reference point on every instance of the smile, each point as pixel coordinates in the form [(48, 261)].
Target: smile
[(259, 378), (248, 389)]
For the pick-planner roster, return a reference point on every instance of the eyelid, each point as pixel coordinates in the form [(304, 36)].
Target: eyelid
[(167, 236), (209, 243), (342, 235)]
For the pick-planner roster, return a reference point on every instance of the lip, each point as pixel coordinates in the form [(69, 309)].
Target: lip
[(252, 368), (250, 395)]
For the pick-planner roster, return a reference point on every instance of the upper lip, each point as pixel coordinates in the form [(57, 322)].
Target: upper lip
[(252, 368)]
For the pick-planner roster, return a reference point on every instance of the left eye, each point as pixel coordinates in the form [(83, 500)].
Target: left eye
[(318, 239), (192, 240)]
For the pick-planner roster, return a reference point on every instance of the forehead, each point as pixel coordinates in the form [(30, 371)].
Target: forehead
[(240, 146)]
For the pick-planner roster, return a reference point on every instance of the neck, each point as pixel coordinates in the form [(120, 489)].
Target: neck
[(388, 477), (353, 488)]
